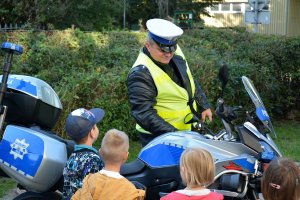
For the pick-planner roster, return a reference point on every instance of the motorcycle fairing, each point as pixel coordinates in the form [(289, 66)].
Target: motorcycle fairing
[(268, 144), (166, 149), (21, 151), (162, 155), (267, 156), (176, 142), (240, 163)]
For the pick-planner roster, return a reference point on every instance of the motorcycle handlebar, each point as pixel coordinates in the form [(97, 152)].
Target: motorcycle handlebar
[(225, 112), (201, 127)]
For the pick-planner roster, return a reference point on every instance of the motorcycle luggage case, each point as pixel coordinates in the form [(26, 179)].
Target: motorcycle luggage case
[(34, 159), (31, 101)]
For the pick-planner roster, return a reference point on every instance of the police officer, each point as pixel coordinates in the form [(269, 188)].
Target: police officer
[(161, 88)]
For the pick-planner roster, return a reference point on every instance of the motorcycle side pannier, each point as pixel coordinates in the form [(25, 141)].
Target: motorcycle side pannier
[(31, 157), (31, 101)]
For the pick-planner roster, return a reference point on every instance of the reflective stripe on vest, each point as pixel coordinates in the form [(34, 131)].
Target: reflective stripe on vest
[(171, 99)]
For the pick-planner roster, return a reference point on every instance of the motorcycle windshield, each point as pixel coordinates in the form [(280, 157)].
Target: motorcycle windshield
[(261, 111)]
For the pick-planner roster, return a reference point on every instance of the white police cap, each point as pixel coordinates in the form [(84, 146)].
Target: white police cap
[(163, 31)]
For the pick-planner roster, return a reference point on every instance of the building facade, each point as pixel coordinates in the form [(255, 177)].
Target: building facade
[(284, 16)]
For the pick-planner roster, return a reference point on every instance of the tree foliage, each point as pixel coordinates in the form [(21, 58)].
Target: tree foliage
[(141, 10), (92, 14), (95, 15), (84, 14)]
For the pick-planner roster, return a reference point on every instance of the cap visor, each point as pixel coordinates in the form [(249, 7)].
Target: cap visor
[(163, 41), (99, 114)]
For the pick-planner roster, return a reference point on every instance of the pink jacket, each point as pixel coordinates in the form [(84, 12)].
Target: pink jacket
[(175, 195)]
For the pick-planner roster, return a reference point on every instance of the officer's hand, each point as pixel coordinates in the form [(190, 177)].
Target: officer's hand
[(206, 113)]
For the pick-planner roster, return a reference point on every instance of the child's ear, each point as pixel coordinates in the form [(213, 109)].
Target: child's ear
[(126, 156), (182, 171), (183, 174), (182, 168), (93, 132)]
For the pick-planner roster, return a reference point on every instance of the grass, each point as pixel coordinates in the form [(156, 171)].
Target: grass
[(134, 150), (288, 142), (6, 185)]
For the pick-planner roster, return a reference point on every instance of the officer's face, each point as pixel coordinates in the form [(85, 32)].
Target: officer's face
[(157, 54)]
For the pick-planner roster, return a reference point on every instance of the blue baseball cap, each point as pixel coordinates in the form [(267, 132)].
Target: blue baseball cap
[(81, 121), (163, 31)]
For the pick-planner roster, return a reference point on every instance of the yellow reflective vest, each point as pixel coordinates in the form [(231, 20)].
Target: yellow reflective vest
[(172, 100)]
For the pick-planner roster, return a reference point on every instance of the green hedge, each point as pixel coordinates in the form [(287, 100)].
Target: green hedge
[(90, 69)]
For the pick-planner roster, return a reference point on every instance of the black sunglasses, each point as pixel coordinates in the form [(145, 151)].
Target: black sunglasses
[(166, 48)]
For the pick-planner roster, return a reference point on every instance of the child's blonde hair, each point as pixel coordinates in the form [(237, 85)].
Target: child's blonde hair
[(114, 145), (281, 180), (198, 167)]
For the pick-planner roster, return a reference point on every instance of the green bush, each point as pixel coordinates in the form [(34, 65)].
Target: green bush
[(90, 69)]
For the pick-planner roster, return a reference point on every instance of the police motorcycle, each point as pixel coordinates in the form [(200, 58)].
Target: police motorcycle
[(240, 151), (30, 152)]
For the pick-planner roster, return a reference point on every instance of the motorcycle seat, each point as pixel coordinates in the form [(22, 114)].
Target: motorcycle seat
[(132, 167)]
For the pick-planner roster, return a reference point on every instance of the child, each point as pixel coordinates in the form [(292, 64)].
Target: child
[(281, 180), (81, 127), (108, 183), (197, 171)]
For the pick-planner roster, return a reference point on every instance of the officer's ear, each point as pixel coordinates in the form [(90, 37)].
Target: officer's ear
[(148, 44)]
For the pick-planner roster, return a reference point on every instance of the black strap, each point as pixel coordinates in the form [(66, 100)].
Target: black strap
[(187, 85), (190, 103)]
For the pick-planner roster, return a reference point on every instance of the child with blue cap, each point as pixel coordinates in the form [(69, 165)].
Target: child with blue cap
[(81, 126), (161, 89)]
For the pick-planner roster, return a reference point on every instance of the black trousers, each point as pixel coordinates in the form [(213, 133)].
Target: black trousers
[(145, 138)]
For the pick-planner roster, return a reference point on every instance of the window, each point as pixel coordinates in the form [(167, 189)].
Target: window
[(227, 8), (214, 8), (236, 7), (232, 8)]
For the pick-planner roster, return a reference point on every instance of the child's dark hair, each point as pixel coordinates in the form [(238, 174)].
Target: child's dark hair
[(281, 180)]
